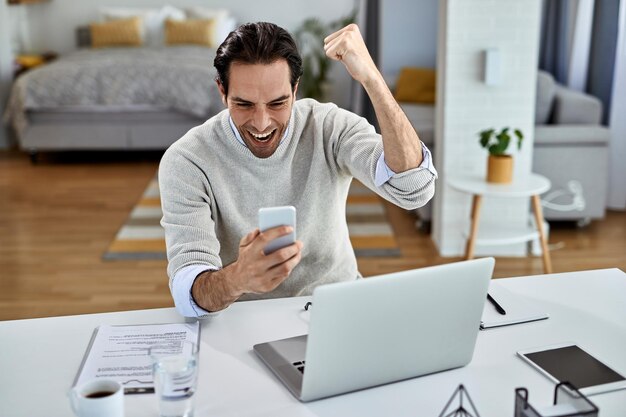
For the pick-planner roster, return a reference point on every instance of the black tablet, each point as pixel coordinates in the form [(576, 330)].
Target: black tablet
[(568, 362)]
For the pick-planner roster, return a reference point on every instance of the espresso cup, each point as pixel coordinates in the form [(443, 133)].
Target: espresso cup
[(98, 398)]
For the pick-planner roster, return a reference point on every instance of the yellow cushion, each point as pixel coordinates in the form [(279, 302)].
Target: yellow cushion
[(192, 31), (122, 32), (416, 85), (29, 61)]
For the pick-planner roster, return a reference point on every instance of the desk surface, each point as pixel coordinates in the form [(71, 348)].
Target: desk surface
[(39, 357)]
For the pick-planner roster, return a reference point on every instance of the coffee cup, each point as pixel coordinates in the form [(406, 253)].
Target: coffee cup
[(98, 398)]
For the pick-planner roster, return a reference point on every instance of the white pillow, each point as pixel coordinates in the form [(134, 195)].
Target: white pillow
[(153, 20), (227, 26), (224, 22)]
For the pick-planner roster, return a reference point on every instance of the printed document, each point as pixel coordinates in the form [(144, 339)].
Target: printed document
[(121, 352)]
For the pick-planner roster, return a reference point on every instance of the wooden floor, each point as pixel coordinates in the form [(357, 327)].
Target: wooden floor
[(58, 217)]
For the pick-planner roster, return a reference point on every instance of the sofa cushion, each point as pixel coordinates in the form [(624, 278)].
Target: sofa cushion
[(546, 89), (416, 85), (574, 108), (571, 135)]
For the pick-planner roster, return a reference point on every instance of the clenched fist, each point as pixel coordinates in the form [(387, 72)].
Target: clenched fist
[(347, 46)]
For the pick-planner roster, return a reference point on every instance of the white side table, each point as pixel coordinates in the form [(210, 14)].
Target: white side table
[(532, 187)]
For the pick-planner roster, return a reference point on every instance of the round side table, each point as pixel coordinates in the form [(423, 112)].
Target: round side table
[(531, 186)]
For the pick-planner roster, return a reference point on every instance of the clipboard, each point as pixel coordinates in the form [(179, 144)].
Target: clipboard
[(120, 352)]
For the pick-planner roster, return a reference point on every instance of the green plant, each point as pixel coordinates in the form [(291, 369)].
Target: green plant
[(310, 38), (498, 142)]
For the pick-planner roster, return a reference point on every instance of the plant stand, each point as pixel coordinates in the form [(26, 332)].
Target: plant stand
[(531, 187)]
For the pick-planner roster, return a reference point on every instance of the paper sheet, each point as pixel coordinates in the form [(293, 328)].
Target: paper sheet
[(519, 309), (121, 353)]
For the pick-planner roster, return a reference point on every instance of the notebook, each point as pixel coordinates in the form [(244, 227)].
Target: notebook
[(519, 309), (383, 329)]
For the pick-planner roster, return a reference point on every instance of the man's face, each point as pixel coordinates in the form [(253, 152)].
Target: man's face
[(260, 101)]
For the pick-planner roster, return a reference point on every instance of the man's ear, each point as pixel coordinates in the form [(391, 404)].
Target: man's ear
[(222, 92), (295, 89)]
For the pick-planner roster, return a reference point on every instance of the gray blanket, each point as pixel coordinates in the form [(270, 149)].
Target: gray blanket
[(179, 78)]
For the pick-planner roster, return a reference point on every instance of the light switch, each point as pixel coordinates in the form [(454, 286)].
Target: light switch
[(492, 66)]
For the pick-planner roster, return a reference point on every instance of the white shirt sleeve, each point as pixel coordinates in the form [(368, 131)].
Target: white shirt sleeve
[(181, 291), (384, 173)]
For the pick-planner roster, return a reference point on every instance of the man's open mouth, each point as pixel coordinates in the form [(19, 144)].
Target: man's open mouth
[(263, 137)]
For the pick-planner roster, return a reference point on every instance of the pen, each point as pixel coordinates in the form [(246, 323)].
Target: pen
[(498, 307)]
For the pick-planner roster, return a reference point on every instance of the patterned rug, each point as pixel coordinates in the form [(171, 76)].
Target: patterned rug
[(142, 237)]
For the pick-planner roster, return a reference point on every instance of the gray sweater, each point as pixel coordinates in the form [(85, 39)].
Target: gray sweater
[(212, 187)]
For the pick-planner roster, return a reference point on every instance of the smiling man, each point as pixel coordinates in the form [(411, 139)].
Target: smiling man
[(267, 149)]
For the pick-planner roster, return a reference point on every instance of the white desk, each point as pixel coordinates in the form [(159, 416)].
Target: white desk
[(39, 357)]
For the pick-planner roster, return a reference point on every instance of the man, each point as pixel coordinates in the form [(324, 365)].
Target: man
[(267, 149)]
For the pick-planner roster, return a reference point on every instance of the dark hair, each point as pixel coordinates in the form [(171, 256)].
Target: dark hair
[(257, 43)]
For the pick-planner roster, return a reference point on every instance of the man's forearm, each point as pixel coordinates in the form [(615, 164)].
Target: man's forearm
[(215, 290), (403, 150)]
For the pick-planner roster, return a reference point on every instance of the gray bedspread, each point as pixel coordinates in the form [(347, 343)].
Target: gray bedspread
[(179, 78)]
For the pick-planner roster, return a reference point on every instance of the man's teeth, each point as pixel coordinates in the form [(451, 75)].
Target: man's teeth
[(262, 136)]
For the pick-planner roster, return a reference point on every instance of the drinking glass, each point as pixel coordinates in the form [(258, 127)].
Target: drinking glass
[(175, 372)]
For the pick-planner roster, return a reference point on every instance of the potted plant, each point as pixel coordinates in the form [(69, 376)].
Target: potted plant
[(310, 38), (500, 164)]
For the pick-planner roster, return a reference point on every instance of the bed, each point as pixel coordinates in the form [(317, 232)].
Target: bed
[(115, 98), (143, 97)]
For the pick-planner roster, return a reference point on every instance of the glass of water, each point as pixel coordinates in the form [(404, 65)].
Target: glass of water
[(175, 372)]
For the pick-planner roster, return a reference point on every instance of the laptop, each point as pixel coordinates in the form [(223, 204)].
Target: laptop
[(383, 329)]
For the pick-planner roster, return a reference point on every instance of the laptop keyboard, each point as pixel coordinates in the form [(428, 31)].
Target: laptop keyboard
[(299, 366)]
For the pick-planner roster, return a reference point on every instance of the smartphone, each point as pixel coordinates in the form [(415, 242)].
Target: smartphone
[(270, 217)]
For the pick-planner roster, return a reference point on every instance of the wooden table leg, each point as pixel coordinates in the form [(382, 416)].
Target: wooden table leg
[(545, 252), (469, 248)]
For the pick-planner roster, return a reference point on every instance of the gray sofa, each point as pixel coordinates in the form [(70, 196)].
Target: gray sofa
[(570, 148)]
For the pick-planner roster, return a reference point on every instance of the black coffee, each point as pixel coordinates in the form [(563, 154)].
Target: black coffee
[(99, 394)]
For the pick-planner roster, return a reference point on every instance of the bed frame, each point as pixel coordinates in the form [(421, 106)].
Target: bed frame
[(111, 130), (98, 129)]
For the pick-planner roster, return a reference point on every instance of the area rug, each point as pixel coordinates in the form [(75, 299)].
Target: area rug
[(142, 237)]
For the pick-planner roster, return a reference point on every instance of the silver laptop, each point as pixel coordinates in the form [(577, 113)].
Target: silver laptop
[(383, 329)]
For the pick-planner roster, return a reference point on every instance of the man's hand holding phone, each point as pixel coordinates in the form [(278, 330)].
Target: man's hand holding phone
[(271, 217), (259, 272), (267, 255), (265, 269)]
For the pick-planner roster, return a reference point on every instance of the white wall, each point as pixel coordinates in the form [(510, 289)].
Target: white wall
[(466, 105), (408, 35), (17, 29), (52, 24), (617, 171)]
